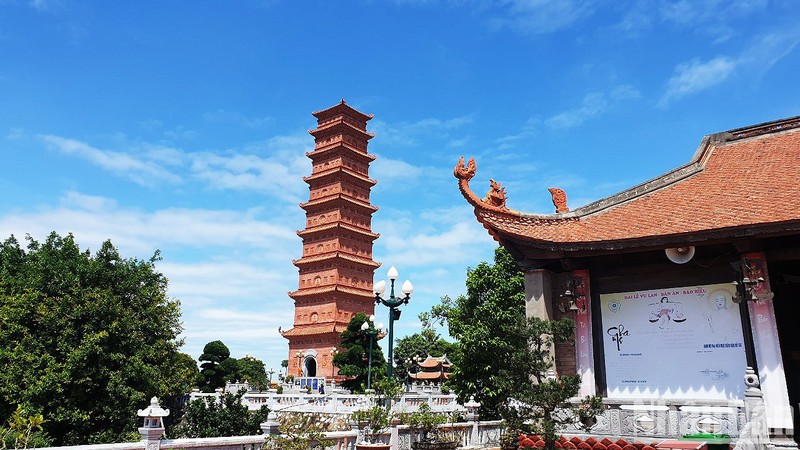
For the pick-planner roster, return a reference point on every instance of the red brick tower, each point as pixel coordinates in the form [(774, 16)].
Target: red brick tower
[(336, 269)]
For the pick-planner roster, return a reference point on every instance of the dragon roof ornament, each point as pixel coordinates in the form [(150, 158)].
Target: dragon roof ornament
[(495, 199)]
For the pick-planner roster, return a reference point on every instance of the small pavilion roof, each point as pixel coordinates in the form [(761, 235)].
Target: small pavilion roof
[(741, 182), (435, 362)]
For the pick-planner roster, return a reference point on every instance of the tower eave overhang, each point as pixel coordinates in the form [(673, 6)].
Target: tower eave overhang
[(341, 125), (340, 146), (335, 198), (340, 170), (739, 183), (330, 289), (327, 227), (333, 256)]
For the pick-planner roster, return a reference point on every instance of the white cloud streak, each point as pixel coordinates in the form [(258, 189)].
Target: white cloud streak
[(695, 76), (593, 104), (145, 173)]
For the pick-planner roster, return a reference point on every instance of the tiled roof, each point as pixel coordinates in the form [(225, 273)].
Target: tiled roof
[(331, 289), (432, 362), (430, 375), (742, 179), (306, 330), (330, 199), (333, 255), (329, 226), (335, 172)]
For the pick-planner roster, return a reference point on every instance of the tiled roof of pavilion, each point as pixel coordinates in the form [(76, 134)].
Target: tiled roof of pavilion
[(741, 181)]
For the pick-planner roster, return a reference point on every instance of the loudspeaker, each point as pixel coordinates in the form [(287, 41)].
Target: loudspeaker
[(680, 255)]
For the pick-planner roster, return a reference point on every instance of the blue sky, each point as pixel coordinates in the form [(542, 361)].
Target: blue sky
[(183, 126)]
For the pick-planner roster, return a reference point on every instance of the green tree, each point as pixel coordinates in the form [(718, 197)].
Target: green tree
[(212, 372), (538, 401), (223, 416), (85, 340), (416, 347), (485, 324), (353, 361), (253, 371)]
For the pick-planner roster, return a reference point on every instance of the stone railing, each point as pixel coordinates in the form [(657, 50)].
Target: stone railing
[(471, 435), (340, 403)]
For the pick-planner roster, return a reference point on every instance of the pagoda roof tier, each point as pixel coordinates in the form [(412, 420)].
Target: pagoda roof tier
[(340, 125), (331, 289), (339, 146), (316, 329), (743, 182), (427, 376), (304, 261), (340, 170), (328, 200), (330, 226), (435, 362), (341, 108)]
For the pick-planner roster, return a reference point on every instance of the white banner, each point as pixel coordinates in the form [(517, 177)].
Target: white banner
[(682, 342)]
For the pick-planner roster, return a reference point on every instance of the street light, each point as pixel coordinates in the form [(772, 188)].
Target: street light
[(392, 302), (299, 356), (270, 372), (369, 328)]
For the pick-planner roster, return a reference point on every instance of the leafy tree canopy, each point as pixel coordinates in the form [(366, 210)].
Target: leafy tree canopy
[(216, 417), (252, 370), (86, 340), (485, 324), (353, 361)]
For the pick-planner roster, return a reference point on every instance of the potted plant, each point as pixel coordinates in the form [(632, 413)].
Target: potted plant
[(427, 433), (373, 422)]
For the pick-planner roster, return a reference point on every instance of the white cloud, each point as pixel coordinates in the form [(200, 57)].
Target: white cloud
[(695, 76), (408, 133), (534, 17), (145, 173), (593, 104)]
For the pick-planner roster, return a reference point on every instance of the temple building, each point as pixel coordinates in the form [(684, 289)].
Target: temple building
[(676, 285), (336, 269), (434, 369)]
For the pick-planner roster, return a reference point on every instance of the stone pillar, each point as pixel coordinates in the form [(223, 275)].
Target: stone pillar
[(539, 297), (539, 294)]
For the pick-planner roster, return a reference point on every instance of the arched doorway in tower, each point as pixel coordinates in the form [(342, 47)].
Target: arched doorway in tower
[(310, 369)]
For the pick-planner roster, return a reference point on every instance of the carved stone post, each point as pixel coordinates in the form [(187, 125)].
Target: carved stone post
[(473, 416), (270, 427), (755, 433)]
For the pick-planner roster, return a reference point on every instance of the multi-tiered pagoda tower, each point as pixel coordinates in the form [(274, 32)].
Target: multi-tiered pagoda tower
[(336, 269)]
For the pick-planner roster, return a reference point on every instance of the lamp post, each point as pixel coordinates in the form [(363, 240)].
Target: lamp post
[(370, 330), (270, 372), (299, 356), (393, 303)]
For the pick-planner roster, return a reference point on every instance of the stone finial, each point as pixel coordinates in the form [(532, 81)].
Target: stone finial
[(559, 199), (752, 383)]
